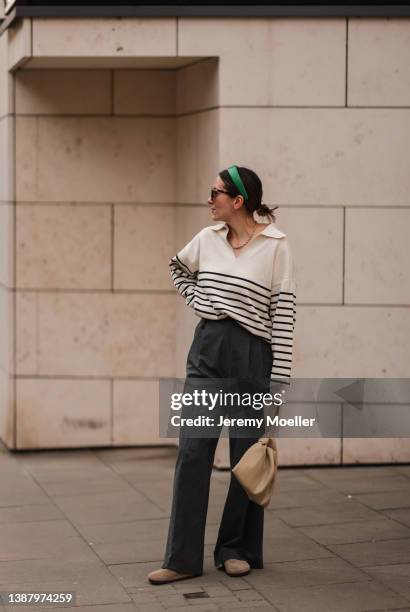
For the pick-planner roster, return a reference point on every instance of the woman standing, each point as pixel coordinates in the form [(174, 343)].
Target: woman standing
[(237, 275)]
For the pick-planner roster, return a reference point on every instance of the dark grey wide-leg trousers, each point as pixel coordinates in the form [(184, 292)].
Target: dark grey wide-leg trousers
[(220, 349)]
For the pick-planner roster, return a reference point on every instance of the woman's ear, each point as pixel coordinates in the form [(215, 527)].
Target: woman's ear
[(239, 201)]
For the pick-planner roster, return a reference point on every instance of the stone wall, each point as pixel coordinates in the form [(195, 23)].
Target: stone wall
[(7, 251), (113, 164)]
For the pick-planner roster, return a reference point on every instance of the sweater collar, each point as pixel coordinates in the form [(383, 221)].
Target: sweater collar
[(270, 230)]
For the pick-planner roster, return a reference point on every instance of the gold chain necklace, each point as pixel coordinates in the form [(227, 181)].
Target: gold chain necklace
[(245, 243)]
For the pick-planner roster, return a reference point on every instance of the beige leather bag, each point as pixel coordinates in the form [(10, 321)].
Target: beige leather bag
[(256, 470)]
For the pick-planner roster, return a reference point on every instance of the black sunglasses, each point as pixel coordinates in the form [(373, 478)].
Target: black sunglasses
[(214, 193)]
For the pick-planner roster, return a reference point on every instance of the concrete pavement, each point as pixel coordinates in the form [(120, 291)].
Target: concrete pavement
[(95, 522)]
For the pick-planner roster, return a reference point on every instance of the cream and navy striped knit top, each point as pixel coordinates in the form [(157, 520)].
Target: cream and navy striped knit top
[(257, 288)]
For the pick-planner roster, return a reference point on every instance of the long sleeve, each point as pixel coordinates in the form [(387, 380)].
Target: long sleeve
[(184, 269), (282, 311)]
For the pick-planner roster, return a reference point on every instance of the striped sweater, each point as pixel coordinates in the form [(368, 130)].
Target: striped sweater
[(257, 288)]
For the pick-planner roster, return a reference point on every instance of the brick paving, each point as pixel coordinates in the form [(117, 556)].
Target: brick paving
[(95, 522)]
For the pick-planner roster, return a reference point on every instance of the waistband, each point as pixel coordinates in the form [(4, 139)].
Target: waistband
[(232, 325), (227, 321)]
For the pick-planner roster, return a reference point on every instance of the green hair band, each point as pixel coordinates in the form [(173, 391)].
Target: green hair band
[(234, 174)]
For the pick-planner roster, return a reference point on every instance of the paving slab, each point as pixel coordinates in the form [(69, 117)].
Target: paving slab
[(93, 484), (397, 576), (132, 453), (346, 597), (251, 604), (130, 552), (57, 459), (160, 493), (93, 584), (374, 553), (44, 539), (146, 466), (30, 512), (214, 514), (116, 607), (303, 482), (309, 497), (325, 514), (363, 472), (357, 531), (238, 584), (292, 547), (138, 532), (403, 469), (306, 573), (58, 472), (376, 484), (390, 500), (293, 472), (142, 472), (135, 575), (211, 532), (105, 507), (96, 521), (17, 490), (401, 515)]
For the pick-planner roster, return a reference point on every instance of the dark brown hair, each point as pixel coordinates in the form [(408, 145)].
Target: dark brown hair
[(253, 186)]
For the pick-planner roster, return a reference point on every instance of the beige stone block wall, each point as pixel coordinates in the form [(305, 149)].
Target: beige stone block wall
[(197, 142), (197, 86), (18, 43), (352, 342), (7, 258), (378, 69), (271, 61), (307, 62), (317, 239), (377, 247), (93, 159), (7, 127), (6, 330), (97, 221), (126, 167), (64, 92), (95, 334), (197, 150), (95, 195), (144, 237), (144, 92), (104, 37), (7, 221), (347, 161), (322, 156), (68, 413), (7, 408), (309, 451), (135, 413), (376, 450), (26, 332), (63, 246), (6, 89)]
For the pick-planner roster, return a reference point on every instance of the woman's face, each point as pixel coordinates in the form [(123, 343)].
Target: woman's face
[(221, 204)]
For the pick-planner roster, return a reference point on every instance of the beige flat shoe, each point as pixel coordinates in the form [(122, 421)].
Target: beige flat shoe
[(237, 567), (165, 575)]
